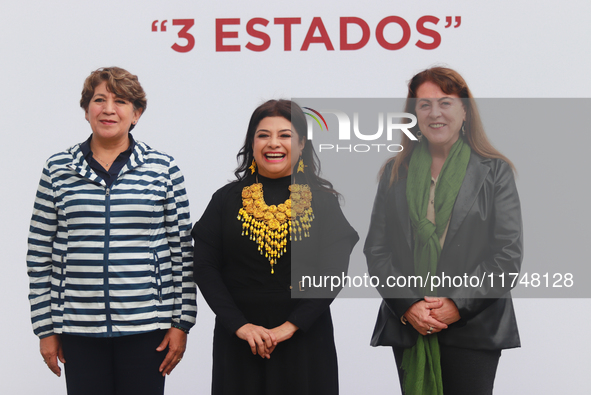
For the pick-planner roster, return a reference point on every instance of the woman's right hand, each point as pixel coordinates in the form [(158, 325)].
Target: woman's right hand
[(418, 315), (51, 350), (260, 339)]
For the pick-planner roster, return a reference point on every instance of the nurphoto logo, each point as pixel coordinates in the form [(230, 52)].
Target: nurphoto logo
[(391, 121)]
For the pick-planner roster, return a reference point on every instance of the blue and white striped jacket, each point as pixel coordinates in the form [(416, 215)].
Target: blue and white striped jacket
[(112, 261)]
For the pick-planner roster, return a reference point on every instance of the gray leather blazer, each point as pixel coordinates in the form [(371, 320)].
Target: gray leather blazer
[(484, 237)]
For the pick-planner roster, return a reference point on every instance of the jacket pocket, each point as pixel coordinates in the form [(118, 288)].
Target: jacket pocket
[(63, 273), (157, 275)]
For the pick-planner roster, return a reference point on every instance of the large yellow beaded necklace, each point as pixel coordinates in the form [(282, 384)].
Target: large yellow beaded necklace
[(270, 225)]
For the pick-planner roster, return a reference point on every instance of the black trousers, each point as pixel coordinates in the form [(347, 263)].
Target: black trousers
[(114, 366), (464, 371)]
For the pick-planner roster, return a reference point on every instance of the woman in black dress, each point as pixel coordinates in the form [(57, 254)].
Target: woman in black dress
[(265, 340)]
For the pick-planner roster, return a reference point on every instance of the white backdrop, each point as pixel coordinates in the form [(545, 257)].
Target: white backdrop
[(199, 103)]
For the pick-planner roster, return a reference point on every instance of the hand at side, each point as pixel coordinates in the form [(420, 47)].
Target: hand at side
[(51, 350)]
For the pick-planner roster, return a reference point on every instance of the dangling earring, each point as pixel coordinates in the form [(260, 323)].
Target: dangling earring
[(253, 167), (301, 165), (419, 136), (463, 130)]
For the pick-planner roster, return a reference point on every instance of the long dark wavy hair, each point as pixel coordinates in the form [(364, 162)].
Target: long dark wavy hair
[(450, 82), (293, 113)]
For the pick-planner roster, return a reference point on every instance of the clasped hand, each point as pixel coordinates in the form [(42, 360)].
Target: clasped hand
[(263, 341), (432, 315)]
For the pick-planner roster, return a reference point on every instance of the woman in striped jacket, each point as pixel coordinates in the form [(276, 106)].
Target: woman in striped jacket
[(110, 255)]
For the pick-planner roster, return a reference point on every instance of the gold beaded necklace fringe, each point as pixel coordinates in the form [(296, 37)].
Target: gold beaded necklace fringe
[(269, 226)]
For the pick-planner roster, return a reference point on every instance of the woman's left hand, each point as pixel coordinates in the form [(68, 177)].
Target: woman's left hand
[(176, 341), (284, 331), (448, 312)]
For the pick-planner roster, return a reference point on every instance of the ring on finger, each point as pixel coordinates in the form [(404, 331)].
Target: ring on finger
[(430, 331)]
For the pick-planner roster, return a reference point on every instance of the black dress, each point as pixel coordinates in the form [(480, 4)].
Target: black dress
[(237, 283)]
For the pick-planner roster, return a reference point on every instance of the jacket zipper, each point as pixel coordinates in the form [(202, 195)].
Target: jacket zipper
[(158, 275), (106, 261), (78, 169)]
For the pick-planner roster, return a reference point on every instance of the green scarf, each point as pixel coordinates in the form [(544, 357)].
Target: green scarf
[(422, 369)]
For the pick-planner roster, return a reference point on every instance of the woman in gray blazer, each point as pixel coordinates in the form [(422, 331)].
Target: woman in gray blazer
[(446, 214)]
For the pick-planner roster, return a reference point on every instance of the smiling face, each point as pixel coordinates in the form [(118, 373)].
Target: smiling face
[(110, 117), (272, 148), (440, 116)]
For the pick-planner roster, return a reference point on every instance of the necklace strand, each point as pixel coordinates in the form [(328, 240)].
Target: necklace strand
[(269, 226), (102, 161)]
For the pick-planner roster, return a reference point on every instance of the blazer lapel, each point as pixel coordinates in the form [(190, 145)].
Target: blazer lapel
[(402, 210), (475, 174)]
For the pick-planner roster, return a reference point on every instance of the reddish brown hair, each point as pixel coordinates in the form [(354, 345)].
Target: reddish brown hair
[(450, 82)]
